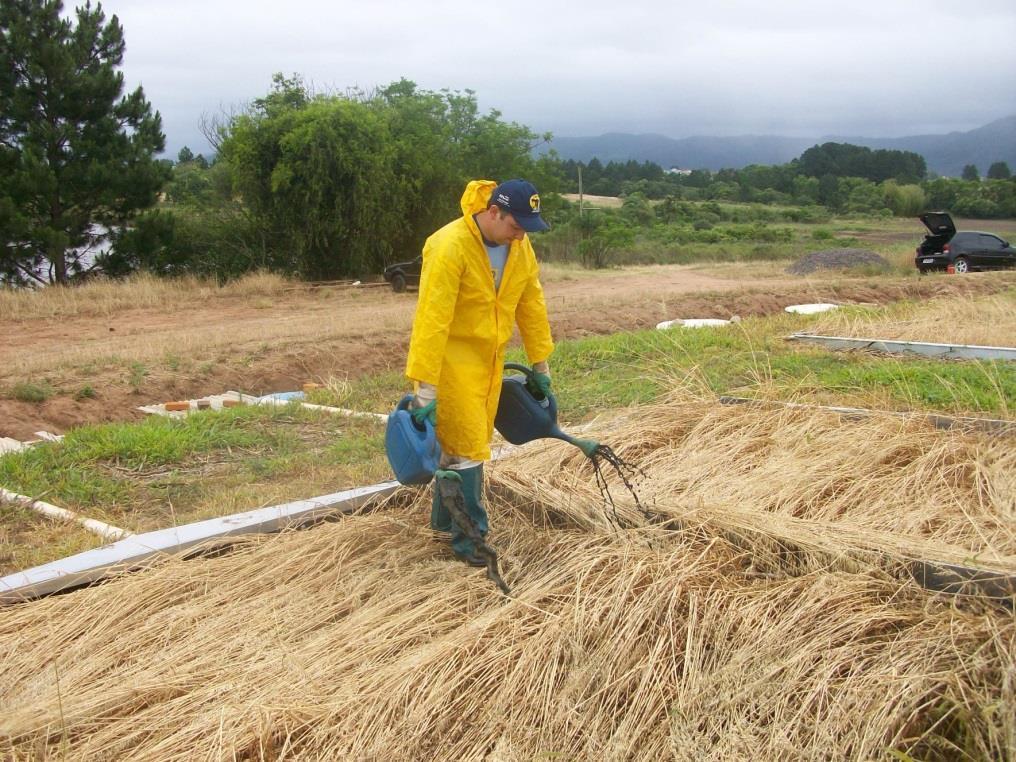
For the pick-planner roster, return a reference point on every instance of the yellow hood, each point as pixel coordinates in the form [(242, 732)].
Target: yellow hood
[(476, 196)]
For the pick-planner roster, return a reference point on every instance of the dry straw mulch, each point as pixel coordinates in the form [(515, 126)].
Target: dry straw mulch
[(959, 319), (753, 617)]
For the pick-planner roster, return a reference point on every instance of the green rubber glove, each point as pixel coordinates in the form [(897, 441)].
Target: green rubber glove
[(538, 384), (448, 473), (426, 413)]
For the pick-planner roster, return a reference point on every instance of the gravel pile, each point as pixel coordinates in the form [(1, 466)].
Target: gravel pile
[(837, 259)]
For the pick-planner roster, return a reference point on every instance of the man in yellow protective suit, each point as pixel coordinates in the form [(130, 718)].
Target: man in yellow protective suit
[(479, 279)]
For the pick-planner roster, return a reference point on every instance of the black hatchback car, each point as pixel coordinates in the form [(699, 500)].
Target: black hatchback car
[(404, 274), (965, 250)]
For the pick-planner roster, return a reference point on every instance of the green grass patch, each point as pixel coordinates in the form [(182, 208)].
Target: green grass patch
[(159, 440), (164, 471), (46, 472), (86, 392), (753, 359), (30, 391)]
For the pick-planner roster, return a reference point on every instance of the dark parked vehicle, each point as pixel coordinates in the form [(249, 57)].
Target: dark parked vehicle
[(964, 250), (404, 274)]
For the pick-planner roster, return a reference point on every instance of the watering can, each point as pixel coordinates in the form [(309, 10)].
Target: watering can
[(412, 448), (524, 414)]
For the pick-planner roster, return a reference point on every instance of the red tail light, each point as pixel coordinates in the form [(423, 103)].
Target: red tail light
[(946, 249)]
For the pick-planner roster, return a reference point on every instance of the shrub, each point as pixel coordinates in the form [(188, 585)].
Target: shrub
[(28, 391)]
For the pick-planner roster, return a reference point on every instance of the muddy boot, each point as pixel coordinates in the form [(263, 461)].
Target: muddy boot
[(472, 494), (462, 495), (456, 498)]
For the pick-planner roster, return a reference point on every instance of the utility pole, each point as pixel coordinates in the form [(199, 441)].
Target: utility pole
[(580, 189)]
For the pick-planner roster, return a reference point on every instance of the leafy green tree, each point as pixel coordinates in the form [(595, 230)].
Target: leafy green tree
[(999, 171), (636, 208), (829, 191), (603, 235), (76, 154), (185, 155), (319, 180), (806, 189), (942, 192), (340, 185), (970, 172), (846, 160), (904, 200), (861, 195)]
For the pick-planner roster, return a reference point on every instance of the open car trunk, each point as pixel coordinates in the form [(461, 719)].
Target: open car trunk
[(941, 229)]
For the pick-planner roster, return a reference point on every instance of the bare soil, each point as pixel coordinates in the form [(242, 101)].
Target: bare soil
[(145, 356)]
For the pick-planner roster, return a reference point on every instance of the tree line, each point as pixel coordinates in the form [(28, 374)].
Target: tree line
[(840, 177), (326, 185)]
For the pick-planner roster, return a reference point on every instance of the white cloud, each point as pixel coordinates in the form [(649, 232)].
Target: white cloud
[(735, 67)]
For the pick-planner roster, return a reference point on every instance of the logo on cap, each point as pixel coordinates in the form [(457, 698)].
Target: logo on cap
[(534, 202)]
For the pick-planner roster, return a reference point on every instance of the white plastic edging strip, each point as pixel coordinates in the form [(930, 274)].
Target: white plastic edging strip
[(928, 349), (135, 551), (101, 528), (311, 406)]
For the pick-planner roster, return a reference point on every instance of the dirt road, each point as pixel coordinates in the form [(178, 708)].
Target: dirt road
[(201, 346)]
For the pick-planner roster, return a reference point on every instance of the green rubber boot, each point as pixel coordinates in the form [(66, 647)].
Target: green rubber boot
[(472, 493), (440, 519), (465, 486)]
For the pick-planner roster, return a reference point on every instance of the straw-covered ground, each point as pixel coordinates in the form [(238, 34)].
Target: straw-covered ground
[(757, 613), (985, 320)]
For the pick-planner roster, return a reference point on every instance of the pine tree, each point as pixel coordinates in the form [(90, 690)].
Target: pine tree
[(76, 155), (999, 171)]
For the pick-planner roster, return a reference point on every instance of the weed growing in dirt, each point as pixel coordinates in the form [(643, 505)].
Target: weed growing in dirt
[(30, 391), (86, 392), (377, 393), (136, 376)]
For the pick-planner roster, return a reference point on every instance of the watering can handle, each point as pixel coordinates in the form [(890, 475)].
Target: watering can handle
[(518, 366)]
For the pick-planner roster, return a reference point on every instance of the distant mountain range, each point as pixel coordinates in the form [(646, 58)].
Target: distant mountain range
[(945, 154)]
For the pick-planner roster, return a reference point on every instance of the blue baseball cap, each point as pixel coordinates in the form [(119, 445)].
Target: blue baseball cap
[(523, 202)]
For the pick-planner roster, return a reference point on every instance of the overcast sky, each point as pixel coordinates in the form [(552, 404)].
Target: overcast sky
[(786, 67)]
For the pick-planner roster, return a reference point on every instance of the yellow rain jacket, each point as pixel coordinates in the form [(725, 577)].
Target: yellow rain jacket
[(462, 325)]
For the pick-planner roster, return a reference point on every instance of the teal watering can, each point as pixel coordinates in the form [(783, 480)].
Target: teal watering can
[(412, 448), (524, 414)]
